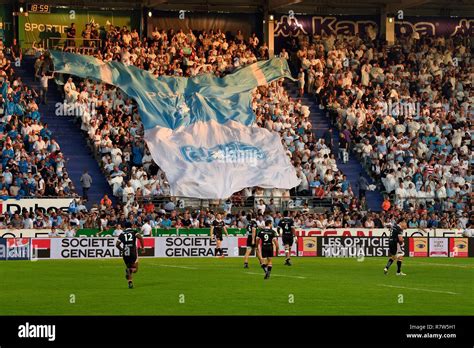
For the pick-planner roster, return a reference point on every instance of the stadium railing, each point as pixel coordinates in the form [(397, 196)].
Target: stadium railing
[(162, 232), (242, 203), (416, 202), (81, 45)]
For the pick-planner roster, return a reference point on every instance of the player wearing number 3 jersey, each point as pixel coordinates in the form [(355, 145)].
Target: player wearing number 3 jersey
[(127, 244)]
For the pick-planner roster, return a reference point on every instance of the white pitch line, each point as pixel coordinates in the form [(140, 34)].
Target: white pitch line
[(173, 266), (418, 289), (278, 275), (440, 264)]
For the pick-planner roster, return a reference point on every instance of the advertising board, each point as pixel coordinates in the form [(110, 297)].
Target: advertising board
[(458, 247), (353, 247), (15, 206), (194, 246), (438, 247), (418, 247)]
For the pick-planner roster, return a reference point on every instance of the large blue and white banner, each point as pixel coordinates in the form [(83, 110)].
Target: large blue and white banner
[(200, 130)]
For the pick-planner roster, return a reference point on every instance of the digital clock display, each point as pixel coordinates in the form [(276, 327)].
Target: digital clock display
[(40, 8)]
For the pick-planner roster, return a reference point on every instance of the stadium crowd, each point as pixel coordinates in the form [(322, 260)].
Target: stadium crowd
[(313, 158), (31, 161), (405, 110), (419, 153)]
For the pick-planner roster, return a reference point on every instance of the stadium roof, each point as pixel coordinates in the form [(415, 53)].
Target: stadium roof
[(323, 7)]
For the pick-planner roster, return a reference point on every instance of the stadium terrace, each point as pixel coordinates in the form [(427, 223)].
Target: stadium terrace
[(264, 157)]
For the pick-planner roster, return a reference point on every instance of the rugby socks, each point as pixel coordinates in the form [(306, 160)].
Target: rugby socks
[(216, 251), (269, 269), (264, 267), (399, 266), (389, 263)]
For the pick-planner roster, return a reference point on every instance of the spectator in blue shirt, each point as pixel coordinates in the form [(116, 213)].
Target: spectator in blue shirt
[(7, 154), (345, 183), (45, 132), (166, 222), (8, 176), (23, 165)]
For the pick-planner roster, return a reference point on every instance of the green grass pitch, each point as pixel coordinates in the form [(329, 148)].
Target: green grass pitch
[(204, 286)]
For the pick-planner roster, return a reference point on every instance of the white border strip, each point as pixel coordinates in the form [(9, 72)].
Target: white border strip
[(173, 266), (440, 264), (276, 275), (418, 289)]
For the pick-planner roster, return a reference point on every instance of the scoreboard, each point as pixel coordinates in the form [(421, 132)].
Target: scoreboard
[(38, 8)]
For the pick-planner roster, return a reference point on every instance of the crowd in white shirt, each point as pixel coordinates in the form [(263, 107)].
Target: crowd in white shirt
[(405, 109)]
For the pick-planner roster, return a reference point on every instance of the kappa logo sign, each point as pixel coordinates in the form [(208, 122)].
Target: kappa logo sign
[(37, 331)]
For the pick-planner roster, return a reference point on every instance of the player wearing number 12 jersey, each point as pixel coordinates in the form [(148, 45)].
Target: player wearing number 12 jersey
[(269, 240), (127, 244), (288, 232)]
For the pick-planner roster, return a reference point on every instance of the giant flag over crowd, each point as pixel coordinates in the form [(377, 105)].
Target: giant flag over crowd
[(200, 130)]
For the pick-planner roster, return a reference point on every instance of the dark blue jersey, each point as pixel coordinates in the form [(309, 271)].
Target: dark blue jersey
[(267, 235), (129, 241), (395, 232), (286, 224), (252, 224)]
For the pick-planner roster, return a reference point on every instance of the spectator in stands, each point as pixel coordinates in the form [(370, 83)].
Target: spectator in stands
[(86, 181), (44, 87), (301, 81), (146, 229), (54, 232), (105, 202), (363, 186), (71, 35), (16, 51), (386, 205)]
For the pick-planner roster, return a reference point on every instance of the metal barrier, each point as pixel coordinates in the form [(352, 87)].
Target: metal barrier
[(76, 45), (248, 203), (445, 204)]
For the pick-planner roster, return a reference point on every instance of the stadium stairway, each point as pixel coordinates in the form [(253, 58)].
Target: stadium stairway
[(321, 123), (69, 137)]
